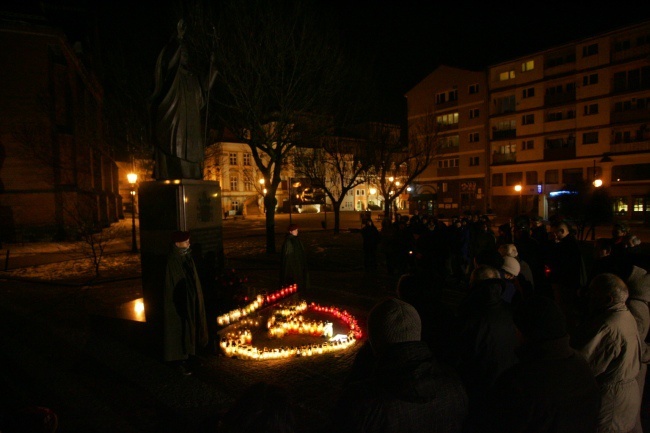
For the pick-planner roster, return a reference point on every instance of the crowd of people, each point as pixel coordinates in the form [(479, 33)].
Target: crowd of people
[(549, 337)]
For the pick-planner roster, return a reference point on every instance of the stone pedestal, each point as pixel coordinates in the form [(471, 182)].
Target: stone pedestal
[(167, 206)]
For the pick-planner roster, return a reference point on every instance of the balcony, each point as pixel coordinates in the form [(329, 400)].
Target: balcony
[(559, 153), (560, 98), (504, 134), (504, 158), (642, 114), (631, 146)]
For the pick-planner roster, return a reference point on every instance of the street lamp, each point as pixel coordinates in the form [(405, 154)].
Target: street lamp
[(262, 181), (518, 189), (133, 178)]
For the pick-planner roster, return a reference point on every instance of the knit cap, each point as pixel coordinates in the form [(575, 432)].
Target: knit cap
[(393, 321), (511, 265), (540, 319), (180, 236)]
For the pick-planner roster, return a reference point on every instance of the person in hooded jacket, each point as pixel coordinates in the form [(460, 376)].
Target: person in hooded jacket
[(403, 389)]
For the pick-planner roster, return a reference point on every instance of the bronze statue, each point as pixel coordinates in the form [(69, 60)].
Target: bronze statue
[(176, 106)]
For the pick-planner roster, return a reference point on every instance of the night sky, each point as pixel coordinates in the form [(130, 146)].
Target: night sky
[(408, 39)]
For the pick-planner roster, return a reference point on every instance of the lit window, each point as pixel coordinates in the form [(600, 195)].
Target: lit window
[(638, 204), (528, 66), (620, 206), (447, 119), (507, 75)]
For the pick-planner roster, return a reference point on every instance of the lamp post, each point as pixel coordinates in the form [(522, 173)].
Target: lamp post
[(518, 189), (262, 181), (133, 178), (290, 193)]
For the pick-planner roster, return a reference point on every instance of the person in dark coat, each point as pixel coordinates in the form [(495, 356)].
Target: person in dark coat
[(568, 274), (402, 388), (371, 239), (486, 336), (293, 266), (552, 388), (185, 328)]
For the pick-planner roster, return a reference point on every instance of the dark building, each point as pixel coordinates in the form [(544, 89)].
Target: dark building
[(57, 174)]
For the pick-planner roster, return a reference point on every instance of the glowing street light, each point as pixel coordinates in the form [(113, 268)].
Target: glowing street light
[(598, 183), (518, 189), (133, 178)]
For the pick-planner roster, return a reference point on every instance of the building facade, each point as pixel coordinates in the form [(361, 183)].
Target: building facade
[(455, 182), (514, 137), (56, 171), (571, 114)]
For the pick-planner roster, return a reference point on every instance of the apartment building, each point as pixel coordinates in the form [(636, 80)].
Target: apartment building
[(456, 180), (574, 113)]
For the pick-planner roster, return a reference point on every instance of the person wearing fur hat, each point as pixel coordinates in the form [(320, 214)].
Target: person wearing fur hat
[(551, 388), (609, 341), (293, 261), (522, 280), (404, 389), (185, 328)]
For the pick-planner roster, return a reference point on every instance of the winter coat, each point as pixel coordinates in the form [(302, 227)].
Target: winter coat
[(371, 237), (293, 266), (551, 389), (406, 391), (185, 326), (638, 285), (486, 339), (610, 343)]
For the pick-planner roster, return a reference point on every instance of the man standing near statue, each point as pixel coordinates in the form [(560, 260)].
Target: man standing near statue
[(176, 104), (185, 326), (293, 266)]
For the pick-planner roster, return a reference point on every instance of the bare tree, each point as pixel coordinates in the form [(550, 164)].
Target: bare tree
[(335, 166), (279, 70), (396, 163)]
